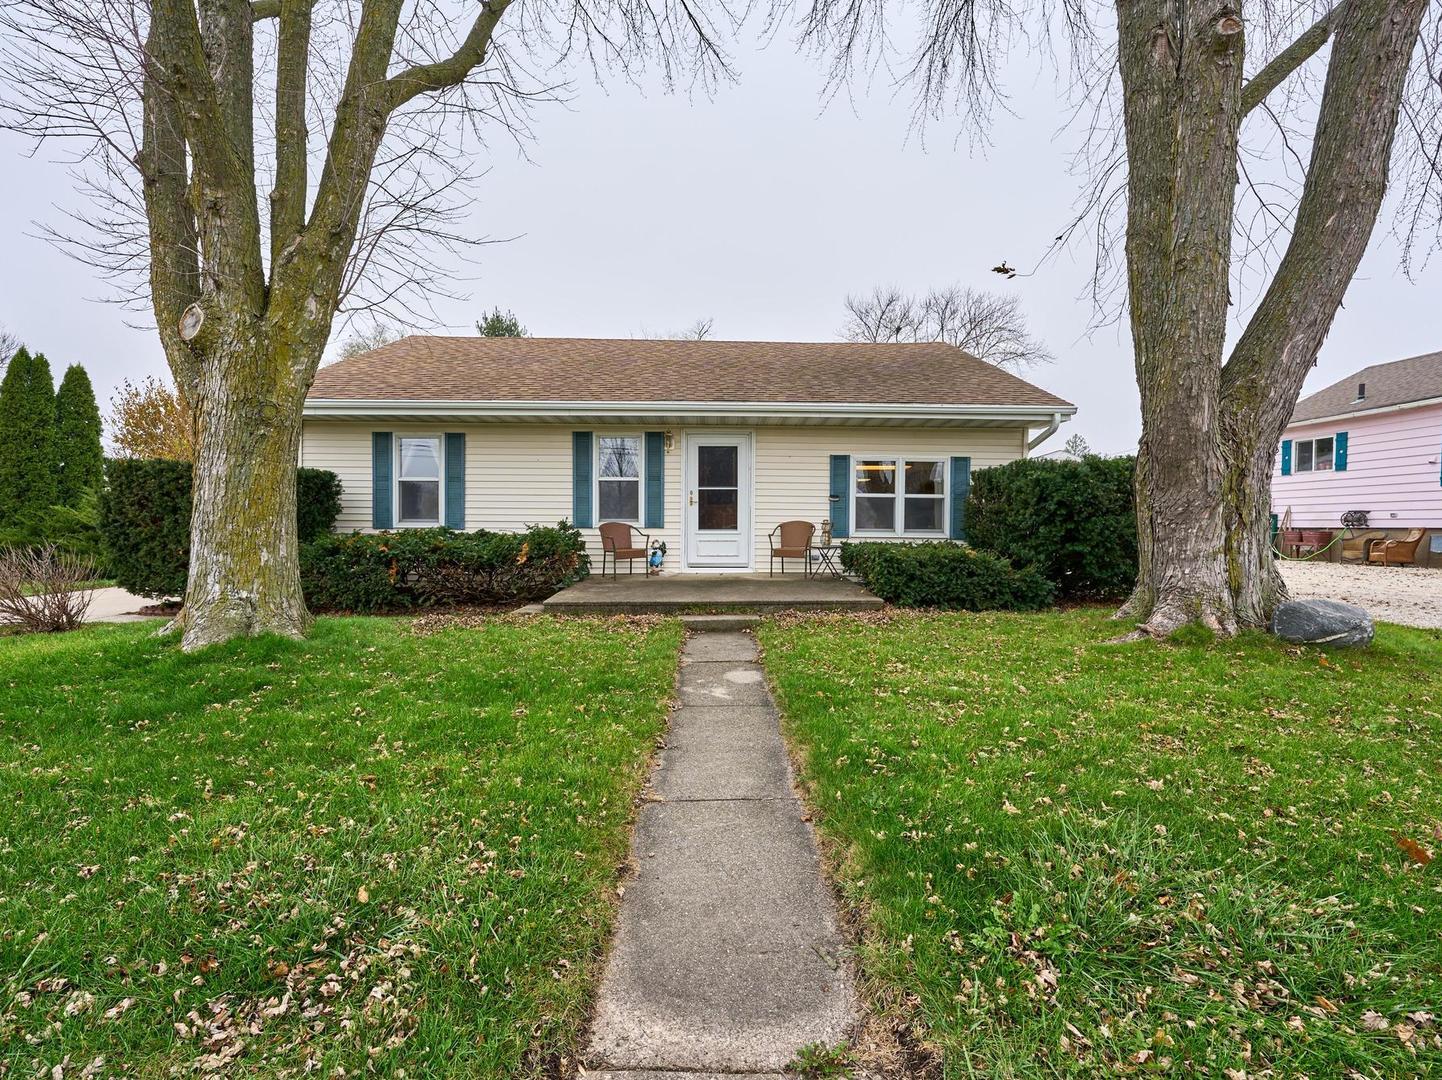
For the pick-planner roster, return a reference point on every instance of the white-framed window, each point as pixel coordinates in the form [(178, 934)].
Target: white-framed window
[(1314, 455), (618, 478), (898, 495), (419, 491)]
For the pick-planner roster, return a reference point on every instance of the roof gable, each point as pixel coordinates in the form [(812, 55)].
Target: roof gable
[(480, 369), (1400, 382)]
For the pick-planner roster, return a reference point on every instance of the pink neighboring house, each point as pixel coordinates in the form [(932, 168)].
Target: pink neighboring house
[(1371, 442)]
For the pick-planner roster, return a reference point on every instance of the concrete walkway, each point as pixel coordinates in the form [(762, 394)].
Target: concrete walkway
[(727, 958), (112, 604)]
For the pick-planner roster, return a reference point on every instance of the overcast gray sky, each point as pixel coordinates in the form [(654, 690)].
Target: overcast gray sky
[(640, 211)]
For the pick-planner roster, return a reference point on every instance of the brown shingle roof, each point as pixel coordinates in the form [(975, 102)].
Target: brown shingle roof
[(588, 369), (1415, 379)]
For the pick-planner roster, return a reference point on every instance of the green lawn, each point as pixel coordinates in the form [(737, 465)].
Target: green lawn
[(369, 851), (1084, 858)]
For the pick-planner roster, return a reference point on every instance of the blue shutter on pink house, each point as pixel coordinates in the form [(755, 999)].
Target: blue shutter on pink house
[(1339, 452), (1286, 457)]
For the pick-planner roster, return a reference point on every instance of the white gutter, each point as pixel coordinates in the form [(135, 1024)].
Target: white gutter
[(1380, 410), (359, 408), (1048, 431)]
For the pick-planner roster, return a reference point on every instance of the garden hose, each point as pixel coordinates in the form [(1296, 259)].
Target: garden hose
[(1304, 558)]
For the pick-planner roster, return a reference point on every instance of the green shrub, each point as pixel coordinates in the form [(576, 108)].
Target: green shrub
[(145, 523), (411, 568), (1073, 521), (145, 520), (941, 574), (317, 502)]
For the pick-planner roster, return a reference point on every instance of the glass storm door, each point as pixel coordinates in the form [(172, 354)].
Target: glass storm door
[(718, 501)]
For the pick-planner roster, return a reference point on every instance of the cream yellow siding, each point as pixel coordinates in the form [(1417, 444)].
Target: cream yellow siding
[(520, 474)]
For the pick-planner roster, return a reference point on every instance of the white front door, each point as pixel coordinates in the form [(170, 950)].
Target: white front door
[(718, 501)]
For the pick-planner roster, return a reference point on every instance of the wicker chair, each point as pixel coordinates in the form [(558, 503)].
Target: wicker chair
[(618, 540), (1354, 548), (1395, 552), (791, 540)]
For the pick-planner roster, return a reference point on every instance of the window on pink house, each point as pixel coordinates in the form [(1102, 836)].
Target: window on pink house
[(1313, 455)]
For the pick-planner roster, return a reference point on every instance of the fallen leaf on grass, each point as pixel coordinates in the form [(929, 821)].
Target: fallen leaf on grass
[(119, 1009), (1414, 851), (1374, 1021)]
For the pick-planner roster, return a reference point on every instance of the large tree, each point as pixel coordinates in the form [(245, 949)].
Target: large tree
[(78, 453), (989, 325), (1212, 420), (355, 145), (28, 470)]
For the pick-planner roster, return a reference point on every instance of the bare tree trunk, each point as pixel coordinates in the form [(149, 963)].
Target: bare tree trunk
[(244, 549), (249, 348), (1182, 67), (1255, 584), (1346, 182)]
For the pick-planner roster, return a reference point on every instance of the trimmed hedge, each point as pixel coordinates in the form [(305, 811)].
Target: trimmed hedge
[(1073, 521), (317, 503), (145, 520), (942, 574), (412, 568)]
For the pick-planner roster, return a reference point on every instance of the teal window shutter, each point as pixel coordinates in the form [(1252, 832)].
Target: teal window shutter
[(455, 480), (581, 463), (382, 476), (655, 517), (840, 495), (960, 490), (1339, 452), (1286, 457)]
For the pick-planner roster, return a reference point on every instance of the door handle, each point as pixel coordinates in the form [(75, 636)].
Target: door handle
[(692, 500)]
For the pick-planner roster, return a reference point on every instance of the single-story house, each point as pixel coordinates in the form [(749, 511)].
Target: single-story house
[(1370, 443), (705, 445)]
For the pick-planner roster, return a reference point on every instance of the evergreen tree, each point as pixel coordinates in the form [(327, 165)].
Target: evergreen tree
[(77, 436), (498, 324), (27, 439)]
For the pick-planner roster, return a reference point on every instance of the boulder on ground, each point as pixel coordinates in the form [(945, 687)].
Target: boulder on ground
[(1322, 622)]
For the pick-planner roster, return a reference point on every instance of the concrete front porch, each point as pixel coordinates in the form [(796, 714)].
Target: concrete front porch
[(638, 594)]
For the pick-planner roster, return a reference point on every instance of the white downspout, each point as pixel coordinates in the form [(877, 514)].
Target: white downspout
[(1046, 432)]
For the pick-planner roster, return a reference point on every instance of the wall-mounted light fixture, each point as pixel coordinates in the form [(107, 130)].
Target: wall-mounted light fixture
[(670, 441)]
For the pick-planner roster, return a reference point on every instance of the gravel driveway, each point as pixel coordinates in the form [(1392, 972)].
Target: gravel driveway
[(1401, 594)]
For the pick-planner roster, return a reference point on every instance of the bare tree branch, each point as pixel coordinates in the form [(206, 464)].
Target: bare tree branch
[(292, 65), (1290, 59), (428, 78)]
